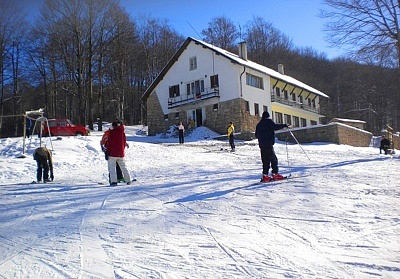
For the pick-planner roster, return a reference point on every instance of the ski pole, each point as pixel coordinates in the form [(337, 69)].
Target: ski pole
[(298, 143), (287, 152)]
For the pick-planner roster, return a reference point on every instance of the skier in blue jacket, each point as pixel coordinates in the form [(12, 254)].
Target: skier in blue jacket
[(265, 133)]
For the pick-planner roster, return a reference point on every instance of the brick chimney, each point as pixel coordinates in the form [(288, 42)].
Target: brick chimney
[(243, 50), (281, 69)]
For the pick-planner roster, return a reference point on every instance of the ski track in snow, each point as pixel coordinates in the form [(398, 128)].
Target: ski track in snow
[(197, 211)]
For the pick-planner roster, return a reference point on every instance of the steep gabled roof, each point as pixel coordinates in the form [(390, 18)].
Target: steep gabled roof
[(235, 59)]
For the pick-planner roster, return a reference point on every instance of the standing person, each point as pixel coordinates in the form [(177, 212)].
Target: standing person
[(265, 133), (28, 127), (115, 147), (44, 161), (231, 130), (181, 132), (385, 145), (103, 143)]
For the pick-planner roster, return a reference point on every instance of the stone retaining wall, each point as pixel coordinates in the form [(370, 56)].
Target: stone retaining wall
[(333, 132), (396, 142)]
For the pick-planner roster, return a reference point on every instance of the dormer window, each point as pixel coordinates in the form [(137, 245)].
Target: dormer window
[(192, 63)]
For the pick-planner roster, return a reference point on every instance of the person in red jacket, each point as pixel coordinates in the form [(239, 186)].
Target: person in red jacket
[(103, 143), (115, 147)]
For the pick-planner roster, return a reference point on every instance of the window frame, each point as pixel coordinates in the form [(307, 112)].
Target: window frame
[(296, 121), (303, 122), (255, 81), (256, 109), (174, 91), (195, 87), (192, 63), (288, 119), (214, 81), (278, 117)]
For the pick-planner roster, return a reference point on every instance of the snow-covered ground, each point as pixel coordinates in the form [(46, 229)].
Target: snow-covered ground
[(197, 211)]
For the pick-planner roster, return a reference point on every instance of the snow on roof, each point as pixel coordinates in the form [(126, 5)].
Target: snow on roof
[(262, 69), (349, 120)]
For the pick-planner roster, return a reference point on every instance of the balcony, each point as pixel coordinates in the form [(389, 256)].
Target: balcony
[(293, 104), (189, 99)]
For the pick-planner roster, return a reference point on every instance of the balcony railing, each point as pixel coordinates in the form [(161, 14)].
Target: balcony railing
[(192, 98), (294, 104)]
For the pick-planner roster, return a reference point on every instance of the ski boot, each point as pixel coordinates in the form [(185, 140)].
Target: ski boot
[(277, 176), (265, 178)]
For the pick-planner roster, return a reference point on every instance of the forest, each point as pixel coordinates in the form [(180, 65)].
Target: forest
[(89, 61)]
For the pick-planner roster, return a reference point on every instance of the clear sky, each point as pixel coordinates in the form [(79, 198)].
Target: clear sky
[(297, 19)]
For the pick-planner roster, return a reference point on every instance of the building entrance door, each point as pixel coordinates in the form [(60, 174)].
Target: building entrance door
[(199, 117)]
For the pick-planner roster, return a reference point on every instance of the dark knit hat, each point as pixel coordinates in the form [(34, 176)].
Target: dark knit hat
[(265, 114)]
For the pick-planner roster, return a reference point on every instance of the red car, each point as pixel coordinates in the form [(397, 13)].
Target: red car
[(64, 127)]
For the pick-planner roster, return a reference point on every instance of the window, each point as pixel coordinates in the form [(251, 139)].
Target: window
[(256, 109), (61, 123), (166, 117), (313, 122), (285, 94), (303, 122), (309, 102), (52, 124), (254, 81), (214, 81), (265, 108), (215, 107), (293, 97), (296, 122), (301, 99), (278, 92), (313, 103), (247, 106), (195, 87), (279, 117), (188, 91), (288, 119), (177, 115), (174, 91), (192, 63)]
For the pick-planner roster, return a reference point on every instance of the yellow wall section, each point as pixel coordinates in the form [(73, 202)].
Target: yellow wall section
[(308, 116), (277, 107)]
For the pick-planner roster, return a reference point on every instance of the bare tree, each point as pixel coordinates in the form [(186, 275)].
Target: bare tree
[(221, 32), (367, 28), (12, 26), (264, 41), (158, 42)]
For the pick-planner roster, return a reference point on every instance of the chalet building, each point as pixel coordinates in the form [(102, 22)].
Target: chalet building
[(206, 85)]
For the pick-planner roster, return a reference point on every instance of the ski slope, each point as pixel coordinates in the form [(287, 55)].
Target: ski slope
[(196, 211)]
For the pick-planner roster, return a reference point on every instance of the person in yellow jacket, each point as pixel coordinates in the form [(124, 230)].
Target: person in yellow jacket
[(231, 130)]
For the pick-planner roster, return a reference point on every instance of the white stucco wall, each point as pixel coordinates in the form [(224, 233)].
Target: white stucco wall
[(254, 95), (208, 64)]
